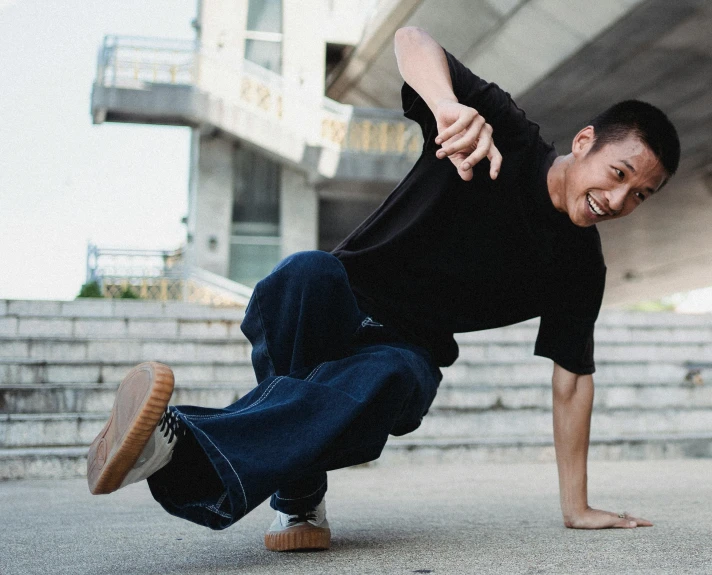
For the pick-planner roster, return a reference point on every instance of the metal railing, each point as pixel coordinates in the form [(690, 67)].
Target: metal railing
[(162, 275), (137, 63)]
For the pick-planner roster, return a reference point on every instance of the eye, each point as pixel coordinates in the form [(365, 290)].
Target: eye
[(641, 196), (619, 173)]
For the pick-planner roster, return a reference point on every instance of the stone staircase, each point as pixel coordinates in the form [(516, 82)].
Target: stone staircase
[(60, 363)]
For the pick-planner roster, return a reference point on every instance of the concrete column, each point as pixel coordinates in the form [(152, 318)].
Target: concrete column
[(303, 65), (213, 206), (223, 28), (222, 40), (299, 213)]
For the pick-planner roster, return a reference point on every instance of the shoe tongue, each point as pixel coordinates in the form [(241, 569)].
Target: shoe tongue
[(301, 518)]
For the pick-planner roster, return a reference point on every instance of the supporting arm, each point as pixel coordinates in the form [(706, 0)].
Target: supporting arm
[(573, 402)]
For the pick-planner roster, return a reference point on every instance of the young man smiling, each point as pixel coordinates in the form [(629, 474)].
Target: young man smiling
[(347, 346)]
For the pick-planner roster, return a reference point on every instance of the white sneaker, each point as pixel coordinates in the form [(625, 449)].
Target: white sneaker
[(309, 530), (139, 437), (158, 450)]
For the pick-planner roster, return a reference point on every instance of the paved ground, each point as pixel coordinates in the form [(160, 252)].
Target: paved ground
[(482, 519)]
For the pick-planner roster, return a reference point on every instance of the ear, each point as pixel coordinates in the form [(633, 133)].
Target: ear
[(583, 142)]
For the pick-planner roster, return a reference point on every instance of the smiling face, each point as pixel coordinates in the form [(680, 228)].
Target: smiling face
[(608, 183)]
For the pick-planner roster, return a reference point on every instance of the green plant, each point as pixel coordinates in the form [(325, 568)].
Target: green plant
[(90, 289), (128, 293)]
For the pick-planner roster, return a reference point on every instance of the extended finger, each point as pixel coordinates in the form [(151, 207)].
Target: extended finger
[(624, 523), (441, 153), (482, 149), (495, 159), (468, 138), (463, 121), (639, 521)]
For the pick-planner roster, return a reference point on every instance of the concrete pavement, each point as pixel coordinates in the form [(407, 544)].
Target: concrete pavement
[(441, 519)]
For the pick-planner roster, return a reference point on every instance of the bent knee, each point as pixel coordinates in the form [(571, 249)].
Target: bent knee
[(313, 265)]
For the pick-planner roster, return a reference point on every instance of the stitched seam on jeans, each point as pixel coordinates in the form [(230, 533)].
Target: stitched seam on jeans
[(298, 498), (229, 413), (208, 507), (244, 495), (264, 331), (215, 507), (314, 371), (262, 397)]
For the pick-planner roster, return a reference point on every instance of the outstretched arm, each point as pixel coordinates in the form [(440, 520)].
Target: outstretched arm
[(573, 401), (465, 136)]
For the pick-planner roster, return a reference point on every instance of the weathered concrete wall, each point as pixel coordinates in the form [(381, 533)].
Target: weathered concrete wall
[(213, 208), (299, 213)]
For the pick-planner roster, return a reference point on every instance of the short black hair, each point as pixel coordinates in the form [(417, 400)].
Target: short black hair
[(643, 120)]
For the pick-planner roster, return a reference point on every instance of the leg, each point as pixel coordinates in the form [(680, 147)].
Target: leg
[(300, 315), (335, 415)]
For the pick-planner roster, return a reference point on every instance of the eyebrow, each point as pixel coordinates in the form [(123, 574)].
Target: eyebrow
[(631, 168)]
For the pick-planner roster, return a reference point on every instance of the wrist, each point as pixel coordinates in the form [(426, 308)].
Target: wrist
[(439, 101), (571, 514)]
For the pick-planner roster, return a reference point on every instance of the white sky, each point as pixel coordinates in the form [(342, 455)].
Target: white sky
[(64, 181)]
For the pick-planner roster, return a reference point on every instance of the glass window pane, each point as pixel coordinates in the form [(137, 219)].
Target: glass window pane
[(265, 15), (249, 263), (265, 54), (256, 182)]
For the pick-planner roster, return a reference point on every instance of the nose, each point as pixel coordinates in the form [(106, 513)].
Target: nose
[(616, 198)]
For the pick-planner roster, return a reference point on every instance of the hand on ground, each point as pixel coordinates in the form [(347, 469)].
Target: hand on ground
[(598, 519), (466, 139)]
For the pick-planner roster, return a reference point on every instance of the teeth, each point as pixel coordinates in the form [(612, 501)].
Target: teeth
[(594, 206)]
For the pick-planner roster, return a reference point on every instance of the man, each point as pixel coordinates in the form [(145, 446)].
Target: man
[(347, 346)]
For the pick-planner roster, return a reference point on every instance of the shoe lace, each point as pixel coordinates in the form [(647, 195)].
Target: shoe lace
[(170, 426), (301, 517)]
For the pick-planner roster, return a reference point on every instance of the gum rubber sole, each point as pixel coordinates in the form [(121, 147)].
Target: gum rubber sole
[(140, 402), (298, 538)]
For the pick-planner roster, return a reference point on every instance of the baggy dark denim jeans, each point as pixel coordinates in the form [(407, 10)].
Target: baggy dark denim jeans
[(333, 384)]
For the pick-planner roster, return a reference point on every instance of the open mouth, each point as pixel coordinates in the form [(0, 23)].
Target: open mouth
[(595, 207)]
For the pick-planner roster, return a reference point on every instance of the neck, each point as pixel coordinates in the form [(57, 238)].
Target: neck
[(556, 181)]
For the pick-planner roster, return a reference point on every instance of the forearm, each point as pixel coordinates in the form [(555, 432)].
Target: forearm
[(423, 65), (573, 401)]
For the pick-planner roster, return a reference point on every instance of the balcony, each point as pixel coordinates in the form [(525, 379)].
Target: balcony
[(167, 82)]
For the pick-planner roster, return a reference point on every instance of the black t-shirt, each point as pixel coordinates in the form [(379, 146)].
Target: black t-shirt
[(442, 256)]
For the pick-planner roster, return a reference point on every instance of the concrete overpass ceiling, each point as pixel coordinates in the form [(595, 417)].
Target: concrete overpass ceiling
[(512, 42), (661, 52)]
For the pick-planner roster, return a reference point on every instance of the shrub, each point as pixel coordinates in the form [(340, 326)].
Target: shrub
[(90, 289), (128, 293)]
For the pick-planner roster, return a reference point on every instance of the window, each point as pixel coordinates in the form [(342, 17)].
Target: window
[(255, 246), (263, 36)]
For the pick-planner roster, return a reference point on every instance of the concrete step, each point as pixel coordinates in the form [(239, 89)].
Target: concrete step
[(527, 332), (20, 372), (519, 450), (213, 326), (109, 308), (92, 398), (534, 371), (539, 370), (167, 350), (68, 462), (103, 308), (76, 429), (138, 328), (117, 349), (455, 423)]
